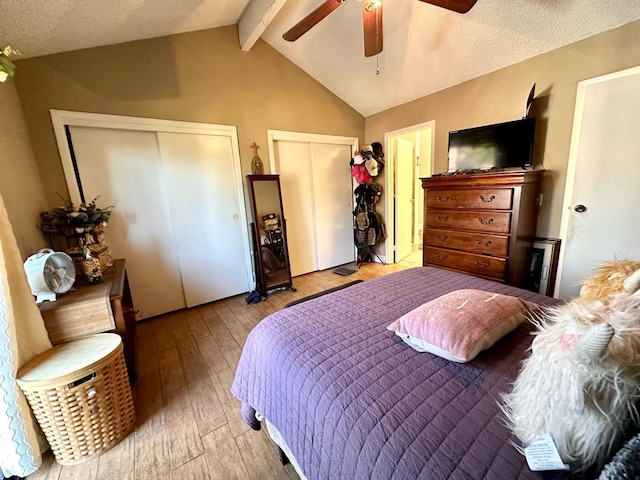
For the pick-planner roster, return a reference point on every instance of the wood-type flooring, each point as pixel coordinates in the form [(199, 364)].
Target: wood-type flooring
[(188, 423)]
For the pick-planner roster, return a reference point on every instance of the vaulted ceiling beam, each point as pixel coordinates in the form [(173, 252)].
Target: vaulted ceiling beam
[(255, 20)]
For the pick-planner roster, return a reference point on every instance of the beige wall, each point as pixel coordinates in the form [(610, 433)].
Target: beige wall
[(20, 185), (205, 77), (501, 96), (200, 76)]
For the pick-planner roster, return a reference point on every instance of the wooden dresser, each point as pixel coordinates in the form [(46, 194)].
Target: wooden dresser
[(90, 309), (482, 223)]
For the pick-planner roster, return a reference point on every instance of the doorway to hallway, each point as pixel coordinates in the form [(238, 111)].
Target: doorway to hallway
[(409, 158)]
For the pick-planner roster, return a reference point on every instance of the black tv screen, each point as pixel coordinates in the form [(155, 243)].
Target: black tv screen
[(502, 145)]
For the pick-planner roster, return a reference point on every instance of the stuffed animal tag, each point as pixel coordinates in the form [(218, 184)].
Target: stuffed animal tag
[(542, 455)]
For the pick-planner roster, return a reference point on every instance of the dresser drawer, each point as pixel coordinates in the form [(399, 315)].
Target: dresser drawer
[(484, 199), (493, 267), (492, 222), (495, 245)]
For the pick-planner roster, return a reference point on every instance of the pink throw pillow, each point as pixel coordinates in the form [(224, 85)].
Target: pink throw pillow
[(459, 325)]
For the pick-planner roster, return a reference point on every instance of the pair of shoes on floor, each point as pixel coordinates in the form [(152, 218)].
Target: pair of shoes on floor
[(253, 297)]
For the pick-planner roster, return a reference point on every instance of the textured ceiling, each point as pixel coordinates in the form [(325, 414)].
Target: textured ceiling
[(41, 27), (426, 48)]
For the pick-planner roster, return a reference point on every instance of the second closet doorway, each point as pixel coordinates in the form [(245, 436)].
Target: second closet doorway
[(317, 197)]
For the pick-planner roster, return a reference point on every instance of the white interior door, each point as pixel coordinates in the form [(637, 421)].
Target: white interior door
[(333, 195), (205, 212), (604, 177), (123, 168), (293, 163), (404, 183)]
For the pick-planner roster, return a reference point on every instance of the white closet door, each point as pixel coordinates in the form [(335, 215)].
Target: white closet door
[(293, 163), (333, 204), (205, 211), (603, 177), (123, 168)]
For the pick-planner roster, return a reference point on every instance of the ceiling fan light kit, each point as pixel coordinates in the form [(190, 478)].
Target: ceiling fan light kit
[(371, 5), (371, 20)]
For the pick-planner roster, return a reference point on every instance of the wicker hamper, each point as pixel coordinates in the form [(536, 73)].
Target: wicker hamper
[(80, 395)]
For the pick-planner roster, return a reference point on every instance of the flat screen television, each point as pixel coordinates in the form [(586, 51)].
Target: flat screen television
[(502, 145)]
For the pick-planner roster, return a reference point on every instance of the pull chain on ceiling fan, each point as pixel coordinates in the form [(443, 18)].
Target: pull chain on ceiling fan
[(371, 20)]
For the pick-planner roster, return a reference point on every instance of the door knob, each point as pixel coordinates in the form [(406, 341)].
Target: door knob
[(580, 208)]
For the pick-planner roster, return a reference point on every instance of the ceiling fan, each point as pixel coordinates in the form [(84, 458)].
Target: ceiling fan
[(371, 20)]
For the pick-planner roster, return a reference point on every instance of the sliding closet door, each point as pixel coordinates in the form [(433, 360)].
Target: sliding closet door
[(199, 178), (293, 163), (317, 199), (123, 168), (178, 218), (333, 204)]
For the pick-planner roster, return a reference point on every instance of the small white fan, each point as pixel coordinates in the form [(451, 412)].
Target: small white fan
[(48, 273)]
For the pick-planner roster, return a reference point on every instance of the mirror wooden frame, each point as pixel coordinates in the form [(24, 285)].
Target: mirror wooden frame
[(270, 248)]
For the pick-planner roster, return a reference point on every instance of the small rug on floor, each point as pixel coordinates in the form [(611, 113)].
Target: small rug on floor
[(344, 271), (319, 294)]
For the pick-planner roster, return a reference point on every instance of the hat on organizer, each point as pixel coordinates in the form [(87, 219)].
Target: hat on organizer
[(366, 151), (372, 166), (360, 173), (377, 149), (358, 159)]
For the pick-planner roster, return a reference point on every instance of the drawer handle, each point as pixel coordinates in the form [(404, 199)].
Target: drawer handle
[(483, 244), (442, 218), (443, 199), (485, 222), (442, 238), (441, 257), (489, 200), (481, 265)]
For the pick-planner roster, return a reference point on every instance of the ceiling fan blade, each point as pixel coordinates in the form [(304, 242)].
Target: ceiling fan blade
[(460, 6), (372, 26), (311, 20)]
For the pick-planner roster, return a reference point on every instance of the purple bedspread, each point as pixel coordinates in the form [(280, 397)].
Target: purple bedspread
[(353, 401)]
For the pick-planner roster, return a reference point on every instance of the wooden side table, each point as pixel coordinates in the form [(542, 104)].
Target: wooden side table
[(89, 309)]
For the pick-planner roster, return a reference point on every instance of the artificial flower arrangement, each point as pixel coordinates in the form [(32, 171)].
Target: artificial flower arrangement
[(80, 221), (7, 68)]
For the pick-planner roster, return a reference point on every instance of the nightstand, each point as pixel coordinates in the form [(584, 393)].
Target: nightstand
[(89, 309)]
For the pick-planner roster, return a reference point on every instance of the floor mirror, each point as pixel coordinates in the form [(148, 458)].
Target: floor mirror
[(269, 232)]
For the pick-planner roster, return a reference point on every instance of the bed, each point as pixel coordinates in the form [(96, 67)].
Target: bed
[(347, 399)]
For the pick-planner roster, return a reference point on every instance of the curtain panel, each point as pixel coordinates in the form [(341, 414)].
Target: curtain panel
[(22, 336)]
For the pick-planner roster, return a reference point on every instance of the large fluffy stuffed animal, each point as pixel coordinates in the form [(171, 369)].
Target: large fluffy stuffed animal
[(612, 280), (581, 382)]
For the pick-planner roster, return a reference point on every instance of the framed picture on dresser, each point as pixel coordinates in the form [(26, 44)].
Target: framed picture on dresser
[(544, 266)]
